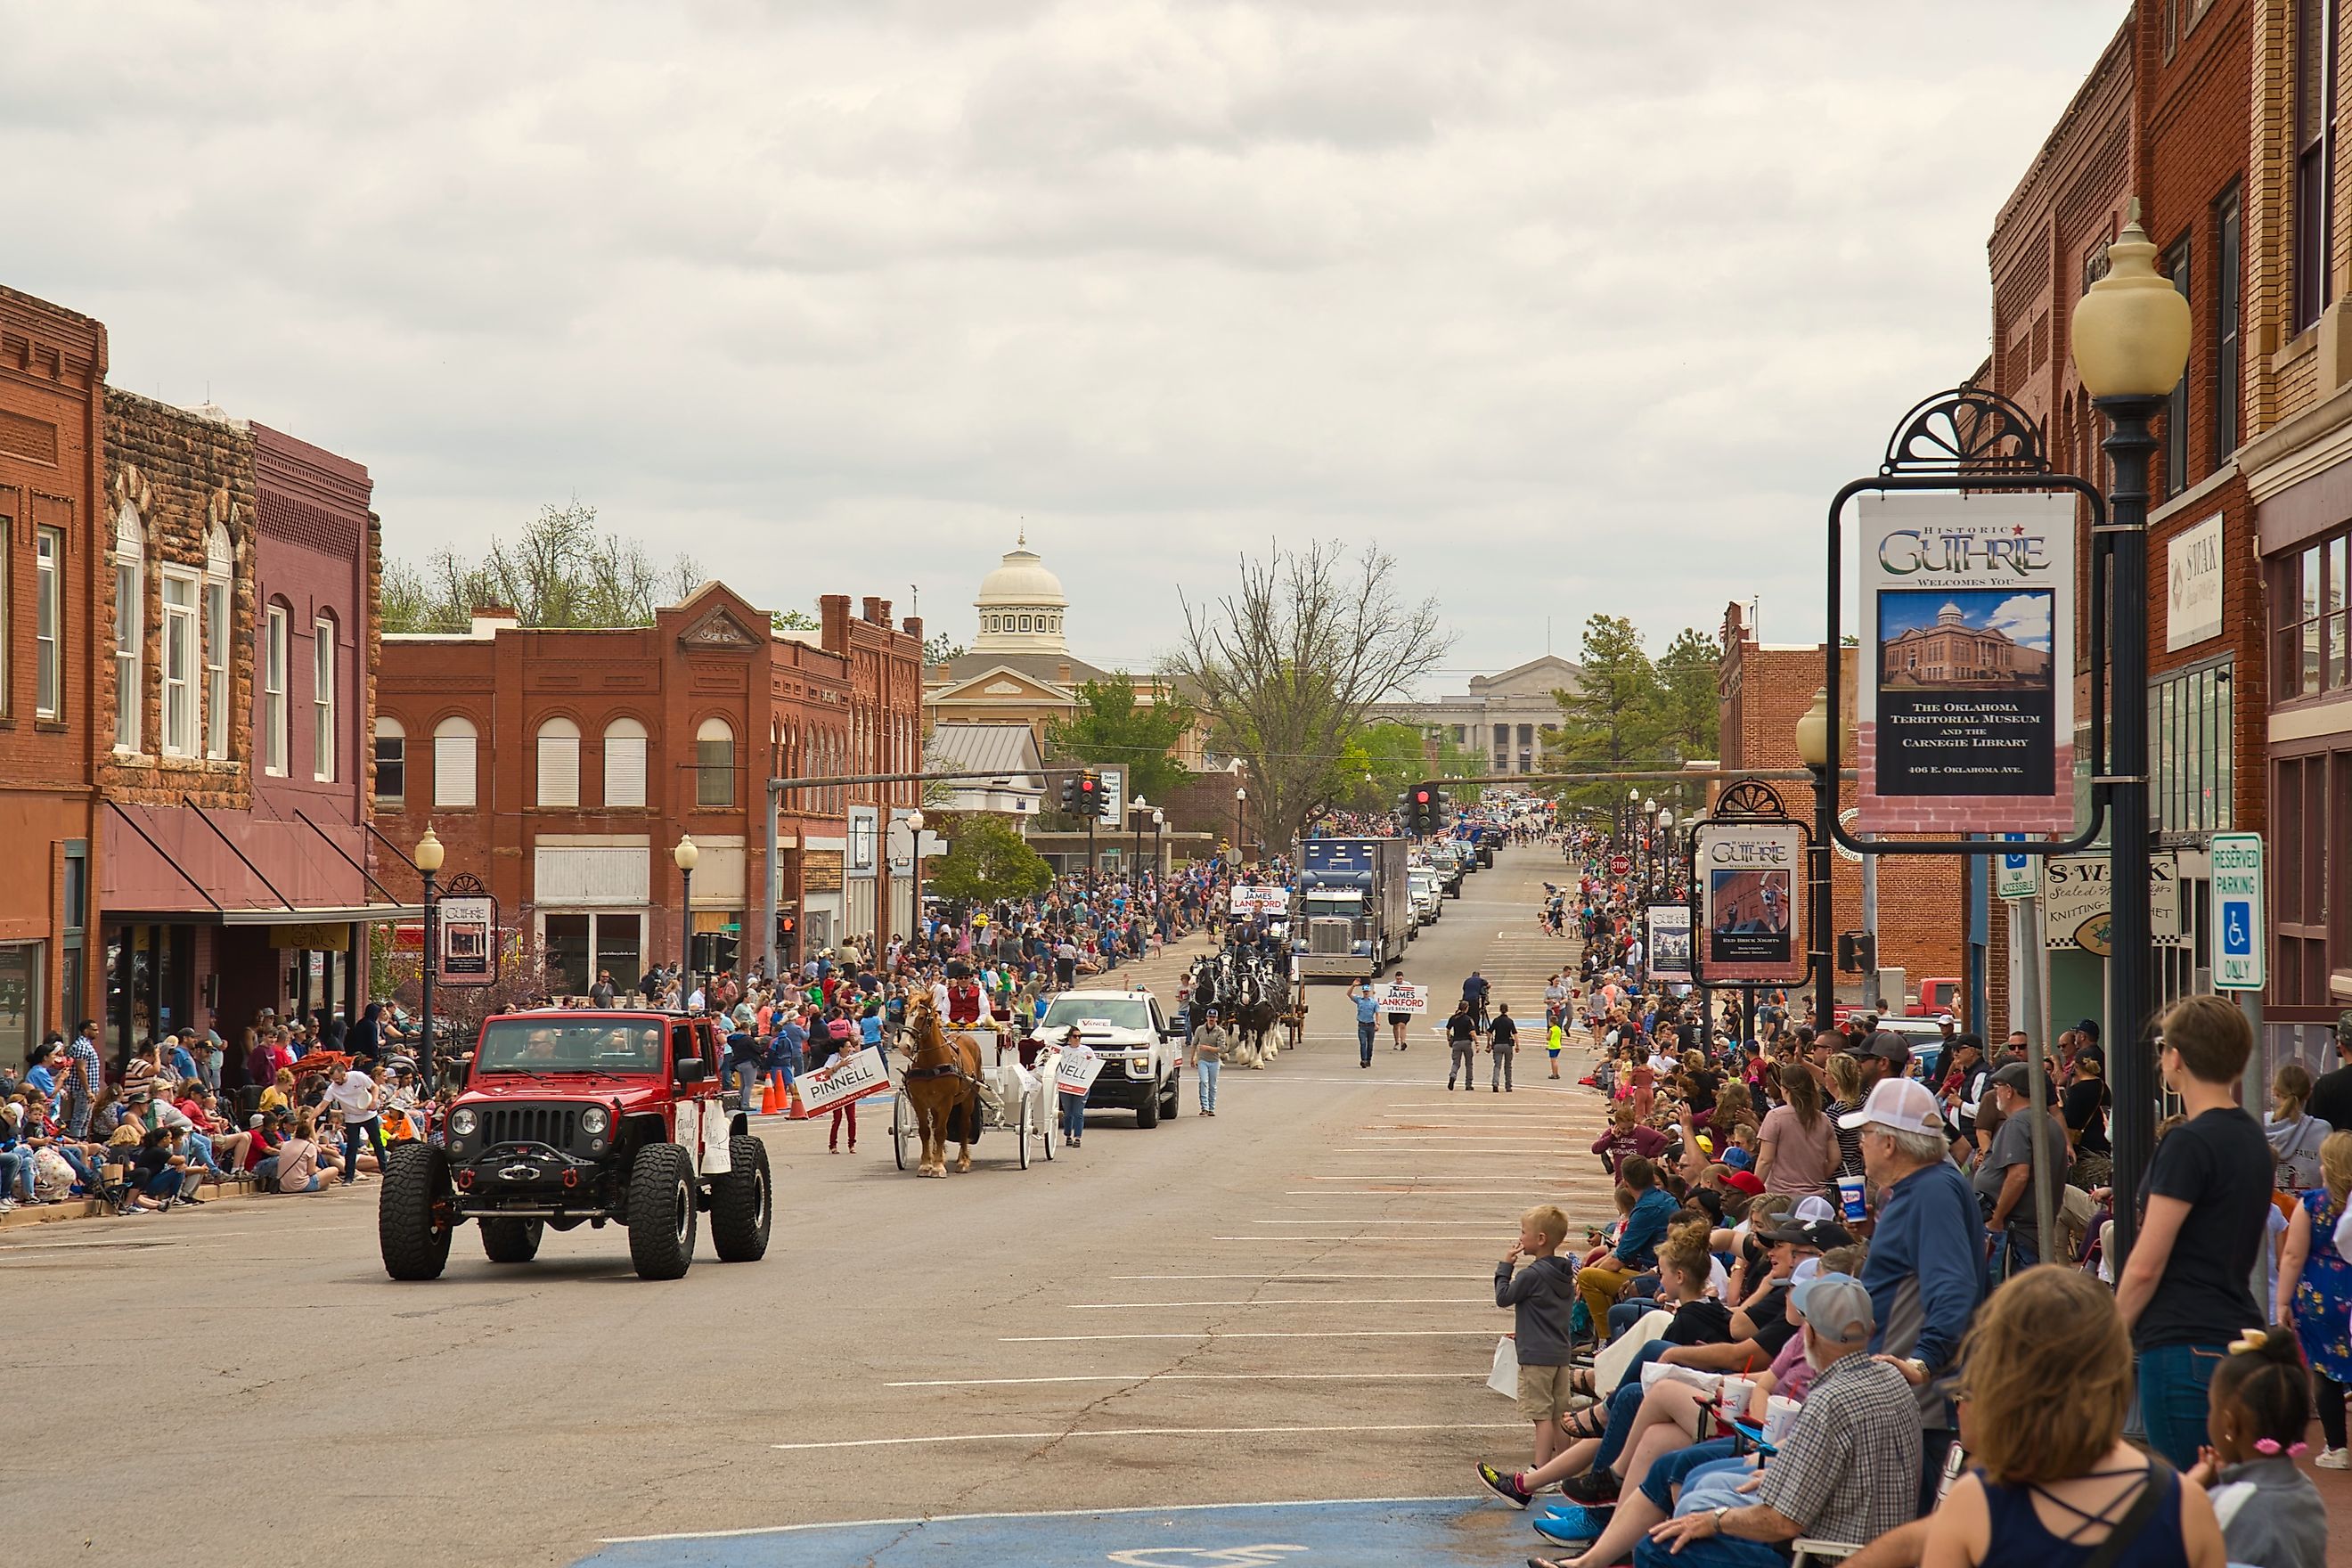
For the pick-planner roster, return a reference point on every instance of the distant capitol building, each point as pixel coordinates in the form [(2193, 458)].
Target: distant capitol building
[(1953, 653)]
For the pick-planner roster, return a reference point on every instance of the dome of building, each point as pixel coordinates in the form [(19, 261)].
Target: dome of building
[(1949, 615), (1021, 605)]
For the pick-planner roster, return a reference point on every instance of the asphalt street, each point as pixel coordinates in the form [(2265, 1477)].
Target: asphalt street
[(1286, 1305)]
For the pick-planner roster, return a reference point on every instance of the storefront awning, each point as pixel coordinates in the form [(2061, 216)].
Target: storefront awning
[(307, 914)]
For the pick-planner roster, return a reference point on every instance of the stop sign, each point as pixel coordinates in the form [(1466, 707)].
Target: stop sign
[(1621, 865)]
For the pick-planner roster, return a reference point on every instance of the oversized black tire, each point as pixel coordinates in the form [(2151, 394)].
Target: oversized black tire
[(742, 1205), (661, 1212), (511, 1240), (415, 1212), (1147, 1111), (1171, 1104)]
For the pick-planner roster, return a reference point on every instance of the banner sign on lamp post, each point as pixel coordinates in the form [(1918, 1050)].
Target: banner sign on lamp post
[(1965, 705), (1670, 942), (466, 932), (1748, 892)]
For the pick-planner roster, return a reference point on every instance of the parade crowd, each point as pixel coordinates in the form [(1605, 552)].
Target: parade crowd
[(1824, 1315)]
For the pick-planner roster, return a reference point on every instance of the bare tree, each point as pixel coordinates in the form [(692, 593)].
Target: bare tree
[(1288, 666), (560, 571)]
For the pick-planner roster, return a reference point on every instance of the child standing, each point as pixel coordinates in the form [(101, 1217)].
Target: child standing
[(1555, 1037), (1542, 1299), (1644, 1078), (2260, 1403)]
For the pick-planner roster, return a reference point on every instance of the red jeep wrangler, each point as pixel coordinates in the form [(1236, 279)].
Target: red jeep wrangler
[(572, 1117)]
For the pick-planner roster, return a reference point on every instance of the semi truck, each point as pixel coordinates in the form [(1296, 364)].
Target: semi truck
[(1352, 913)]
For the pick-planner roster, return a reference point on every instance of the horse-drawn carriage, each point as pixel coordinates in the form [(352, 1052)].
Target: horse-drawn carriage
[(945, 1092)]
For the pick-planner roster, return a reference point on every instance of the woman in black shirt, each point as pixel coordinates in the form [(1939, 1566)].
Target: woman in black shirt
[(2084, 1112)]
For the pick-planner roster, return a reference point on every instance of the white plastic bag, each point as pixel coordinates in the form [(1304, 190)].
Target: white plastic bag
[(1505, 1379)]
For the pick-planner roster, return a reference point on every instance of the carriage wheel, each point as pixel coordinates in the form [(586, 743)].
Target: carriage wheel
[(898, 1120), (1026, 1132), (1053, 1125)]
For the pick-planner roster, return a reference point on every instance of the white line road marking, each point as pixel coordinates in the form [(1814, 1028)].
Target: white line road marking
[(1148, 1432), (1256, 1334), (1485, 1236), (1194, 1377), (1287, 1301), (959, 1518), (1399, 1191)]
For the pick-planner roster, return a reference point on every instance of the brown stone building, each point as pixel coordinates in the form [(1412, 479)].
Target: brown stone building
[(52, 377), (562, 768), (238, 618)]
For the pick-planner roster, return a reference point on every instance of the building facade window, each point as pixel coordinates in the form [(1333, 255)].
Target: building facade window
[(73, 945), (2308, 641), (559, 764), (49, 623), (220, 573), (2315, 155), (277, 634), (325, 754), (581, 946), (453, 765), (624, 763), (714, 764), (179, 670), (130, 626), (391, 762), (2176, 407), (2189, 755), (2229, 311)]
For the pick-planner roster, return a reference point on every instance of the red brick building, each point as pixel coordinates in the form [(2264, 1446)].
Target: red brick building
[(561, 767), (1765, 690), (238, 614), (52, 437)]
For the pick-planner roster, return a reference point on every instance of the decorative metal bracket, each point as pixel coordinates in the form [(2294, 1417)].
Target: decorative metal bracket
[(462, 885), (1968, 430), (1751, 797)]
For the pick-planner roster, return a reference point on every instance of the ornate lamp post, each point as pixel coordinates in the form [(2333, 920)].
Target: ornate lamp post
[(915, 839), (1159, 822), (686, 855), (2131, 344), (1136, 808), (1240, 794), (428, 860), (1813, 751), (1661, 883)]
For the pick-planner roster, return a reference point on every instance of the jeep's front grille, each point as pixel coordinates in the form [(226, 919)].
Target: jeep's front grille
[(554, 1125)]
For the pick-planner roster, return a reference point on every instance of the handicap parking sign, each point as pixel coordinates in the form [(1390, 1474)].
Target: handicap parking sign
[(2237, 927), (2237, 913)]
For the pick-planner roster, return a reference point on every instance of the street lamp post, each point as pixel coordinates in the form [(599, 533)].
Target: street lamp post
[(686, 855), (1661, 884), (429, 861), (2131, 344), (1158, 823), (1240, 794), (1136, 808), (1813, 751), (1649, 845), (915, 856)]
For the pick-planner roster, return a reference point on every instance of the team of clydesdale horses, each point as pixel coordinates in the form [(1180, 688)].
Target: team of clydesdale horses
[(1250, 994)]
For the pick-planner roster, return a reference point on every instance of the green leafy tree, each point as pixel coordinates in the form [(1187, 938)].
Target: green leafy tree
[(1385, 760), (1611, 719), (560, 571), (938, 648), (1690, 705), (987, 861), (792, 621), (1113, 725)]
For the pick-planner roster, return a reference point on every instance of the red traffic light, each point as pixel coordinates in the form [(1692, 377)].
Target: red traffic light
[(1421, 797)]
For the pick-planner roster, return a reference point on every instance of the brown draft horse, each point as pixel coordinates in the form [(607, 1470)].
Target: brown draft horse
[(942, 1084)]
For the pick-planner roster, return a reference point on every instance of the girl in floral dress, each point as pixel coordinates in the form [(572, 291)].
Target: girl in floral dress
[(2315, 1293)]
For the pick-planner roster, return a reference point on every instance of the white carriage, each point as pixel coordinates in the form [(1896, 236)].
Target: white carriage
[(1013, 1100)]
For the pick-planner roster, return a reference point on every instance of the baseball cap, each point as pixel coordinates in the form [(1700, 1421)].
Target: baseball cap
[(1820, 1235), (1811, 1209), (1904, 1104), (1836, 1306), (2018, 1077), (1945, 1018), (1805, 1269), (1745, 1182), (1886, 1044)]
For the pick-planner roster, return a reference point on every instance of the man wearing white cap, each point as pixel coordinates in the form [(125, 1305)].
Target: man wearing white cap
[(1925, 1271)]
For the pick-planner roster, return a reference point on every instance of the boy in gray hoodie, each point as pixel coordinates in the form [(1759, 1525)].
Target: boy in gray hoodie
[(1542, 1296)]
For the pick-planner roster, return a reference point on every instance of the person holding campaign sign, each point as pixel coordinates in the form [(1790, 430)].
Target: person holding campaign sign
[(1079, 1066), (1403, 1000)]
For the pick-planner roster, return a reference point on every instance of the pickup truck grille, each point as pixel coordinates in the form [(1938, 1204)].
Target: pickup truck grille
[(1330, 936), (554, 1125)]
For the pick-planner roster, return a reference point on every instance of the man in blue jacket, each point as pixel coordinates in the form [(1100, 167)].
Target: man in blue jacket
[(1926, 1269), (1637, 1250)]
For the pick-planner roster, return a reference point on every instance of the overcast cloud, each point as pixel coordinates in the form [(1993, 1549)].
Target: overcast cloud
[(1573, 306)]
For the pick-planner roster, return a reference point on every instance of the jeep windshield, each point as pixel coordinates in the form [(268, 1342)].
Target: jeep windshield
[(548, 1046), (1119, 1013)]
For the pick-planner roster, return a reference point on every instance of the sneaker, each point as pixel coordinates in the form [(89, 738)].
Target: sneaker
[(1571, 1526), (2334, 1459), (1504, 1485), (1596, 1488)]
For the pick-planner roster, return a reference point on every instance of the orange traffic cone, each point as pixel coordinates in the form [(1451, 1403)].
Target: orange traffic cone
[(799, 1111), (768, 1095)]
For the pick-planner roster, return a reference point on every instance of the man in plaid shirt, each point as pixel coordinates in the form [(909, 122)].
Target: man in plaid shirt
[(85, 1075), (1847, 1471)]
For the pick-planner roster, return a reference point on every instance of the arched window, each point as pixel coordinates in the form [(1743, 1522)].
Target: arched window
[(559, 764), (624, 763), (714, 764), (220, 575), (453, 765), (325, 751), (391, 762), (277, 656), (130, 625)]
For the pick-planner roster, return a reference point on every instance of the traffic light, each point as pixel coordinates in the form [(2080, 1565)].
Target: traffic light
[(1424, 809), (1109, 807), (1089, 796), (1857, 952), (1070, 793)]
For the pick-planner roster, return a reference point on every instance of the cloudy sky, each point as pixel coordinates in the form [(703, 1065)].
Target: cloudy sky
[(1572, 306)]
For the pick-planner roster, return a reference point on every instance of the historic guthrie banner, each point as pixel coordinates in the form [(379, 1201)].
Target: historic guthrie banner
[(1964, 702)]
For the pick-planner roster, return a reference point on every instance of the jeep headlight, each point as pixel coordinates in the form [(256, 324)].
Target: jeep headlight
[(594, 1120), (461, 1121)]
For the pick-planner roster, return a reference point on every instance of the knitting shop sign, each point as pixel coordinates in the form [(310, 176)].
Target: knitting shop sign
[(1748, 907)]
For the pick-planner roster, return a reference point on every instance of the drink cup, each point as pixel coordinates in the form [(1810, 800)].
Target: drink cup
[(1780, 1415), (1850, 1195), (1732, 1396)]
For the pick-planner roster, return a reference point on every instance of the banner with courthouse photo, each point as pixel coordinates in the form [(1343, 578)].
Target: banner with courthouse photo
[(1670, 944), (1965, 704), (1748, 900)]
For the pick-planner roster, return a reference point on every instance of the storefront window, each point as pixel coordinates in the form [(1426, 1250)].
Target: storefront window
[(620, 947), (2310, 652), (579, 945), (567, 955), (2189, 749), (20, 1001)]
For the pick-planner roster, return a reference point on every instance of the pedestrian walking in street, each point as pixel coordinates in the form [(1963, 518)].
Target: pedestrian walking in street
[(1462, 1046), (1210, 1043), (1397, 1021), (1502, 1041), (2315, 1293), (1367, 1017), (1076, 1054)]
